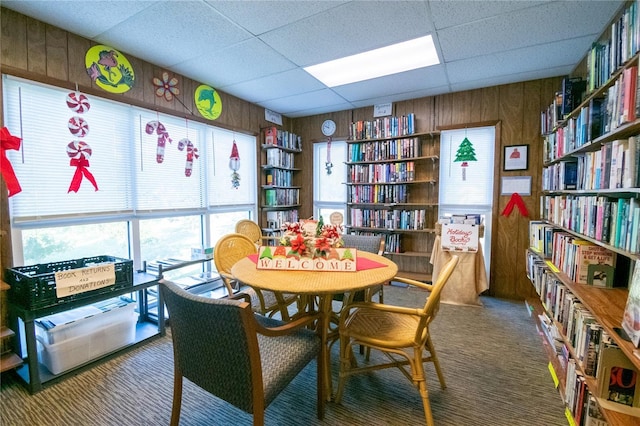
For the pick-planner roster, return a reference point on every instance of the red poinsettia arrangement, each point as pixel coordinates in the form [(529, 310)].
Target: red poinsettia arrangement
[(310, 238)]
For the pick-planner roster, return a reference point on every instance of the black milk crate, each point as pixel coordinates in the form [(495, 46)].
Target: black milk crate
[(34, 287)]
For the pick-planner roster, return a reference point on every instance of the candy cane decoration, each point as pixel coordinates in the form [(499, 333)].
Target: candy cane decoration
[(163, 137), (80, 152), (78, 102), (192, 152), (78, 127)]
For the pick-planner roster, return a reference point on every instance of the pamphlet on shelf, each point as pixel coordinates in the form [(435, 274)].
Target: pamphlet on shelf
[(631, 317)]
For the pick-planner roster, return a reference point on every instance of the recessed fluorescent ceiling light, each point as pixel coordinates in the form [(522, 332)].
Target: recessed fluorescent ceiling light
[(405, 56)]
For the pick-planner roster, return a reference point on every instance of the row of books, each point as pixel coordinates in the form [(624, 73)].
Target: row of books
[(621, 100), (395, 149), (275, 219), (279, 177), (388, 219), (283, 138), (378, 194), (384, 127), (560, 176), (584, 349), (280, 158), (615, 165), (281, 196), (605, 57), (382, 173), (614, 221), (391, 241), (582, 261)]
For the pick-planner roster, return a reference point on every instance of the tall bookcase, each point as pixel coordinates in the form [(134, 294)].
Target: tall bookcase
[(279, 181), (590, 196), (392, 190)]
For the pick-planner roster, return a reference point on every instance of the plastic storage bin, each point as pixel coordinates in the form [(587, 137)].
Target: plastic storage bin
[(34, 286), (75, 337)]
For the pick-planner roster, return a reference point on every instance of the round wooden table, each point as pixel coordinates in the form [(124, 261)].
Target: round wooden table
[(321, 284)]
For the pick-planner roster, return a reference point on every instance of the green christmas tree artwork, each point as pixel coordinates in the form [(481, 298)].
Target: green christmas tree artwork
[(465, 154), (266, 253)]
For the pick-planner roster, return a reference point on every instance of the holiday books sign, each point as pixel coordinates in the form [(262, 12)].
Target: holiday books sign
[(284, 258), (459, 237)]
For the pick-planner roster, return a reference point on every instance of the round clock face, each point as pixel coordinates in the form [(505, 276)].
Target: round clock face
[(328, 127)]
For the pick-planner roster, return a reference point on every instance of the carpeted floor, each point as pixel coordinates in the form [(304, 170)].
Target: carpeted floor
[(491, 356)]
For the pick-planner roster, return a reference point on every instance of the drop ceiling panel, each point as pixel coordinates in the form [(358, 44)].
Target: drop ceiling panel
[(348, 29), (86, 18), (320, 98), (173, 33), (236, 64), (275, 86), (547, 23)]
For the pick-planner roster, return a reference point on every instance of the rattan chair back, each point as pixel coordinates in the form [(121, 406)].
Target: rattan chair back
[(250, 229)]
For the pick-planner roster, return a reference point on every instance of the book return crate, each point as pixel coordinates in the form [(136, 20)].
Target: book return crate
[(34, 287)]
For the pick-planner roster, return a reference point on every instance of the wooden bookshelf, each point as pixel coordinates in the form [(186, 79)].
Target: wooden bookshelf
[(392, 181), (583, 136)]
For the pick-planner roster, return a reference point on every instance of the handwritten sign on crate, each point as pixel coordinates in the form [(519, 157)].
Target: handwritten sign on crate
[(74, 281), (459, 237), (279, 257)]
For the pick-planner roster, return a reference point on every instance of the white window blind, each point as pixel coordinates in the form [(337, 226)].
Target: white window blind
[(222, 191), (39, 115), (330, 187), (165, 185), (467, 182)]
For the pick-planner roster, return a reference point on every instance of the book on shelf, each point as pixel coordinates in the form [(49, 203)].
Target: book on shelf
[(601, 275), (589, 254), (618, 384), (573, 89), (631, 316)]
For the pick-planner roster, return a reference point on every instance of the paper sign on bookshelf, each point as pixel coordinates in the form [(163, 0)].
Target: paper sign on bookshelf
[(618, 384), (459, 237)]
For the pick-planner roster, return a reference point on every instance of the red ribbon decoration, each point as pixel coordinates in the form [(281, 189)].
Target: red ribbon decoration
[(81, 165), (7, 141), (516, 200)]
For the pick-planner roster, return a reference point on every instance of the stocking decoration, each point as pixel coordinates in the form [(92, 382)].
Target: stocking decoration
[(192, 152), (234, 165), (80, 152), (163, 137), (8, 141)]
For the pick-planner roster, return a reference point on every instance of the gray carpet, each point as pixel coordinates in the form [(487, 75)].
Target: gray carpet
[(492, 360)]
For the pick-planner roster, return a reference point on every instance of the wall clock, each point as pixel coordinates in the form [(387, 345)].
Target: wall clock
[(328, 127)]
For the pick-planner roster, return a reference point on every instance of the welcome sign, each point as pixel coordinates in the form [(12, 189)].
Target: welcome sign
[(282, 258)]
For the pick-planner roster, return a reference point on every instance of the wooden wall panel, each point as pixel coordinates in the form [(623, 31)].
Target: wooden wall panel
[(36, 46), (57, 61), (78, 46), (14, 48)]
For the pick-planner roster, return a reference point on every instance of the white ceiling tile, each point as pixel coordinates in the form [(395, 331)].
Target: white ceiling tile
[(348, 29), (275, 86), (235, 64), (319, 98), (547, 23), (451, 13), (173, 33), (85, 18), (261, 16)]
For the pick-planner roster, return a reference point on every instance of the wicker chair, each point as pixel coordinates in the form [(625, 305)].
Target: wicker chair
[(394, 330), (251, 230), (241, 357), (370, 244), (233, 247)]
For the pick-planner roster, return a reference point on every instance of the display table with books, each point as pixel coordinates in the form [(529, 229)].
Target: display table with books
[(468, 280)]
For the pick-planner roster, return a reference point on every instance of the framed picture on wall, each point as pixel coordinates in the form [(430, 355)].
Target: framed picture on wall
[(516, 157)]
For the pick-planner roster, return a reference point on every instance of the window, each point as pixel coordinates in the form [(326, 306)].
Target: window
[(329, 191), (151, 202), (466, 176)]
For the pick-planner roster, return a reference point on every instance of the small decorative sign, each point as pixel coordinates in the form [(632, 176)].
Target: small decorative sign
[(459, 237), (382, 110), (283, 258), (109, 69), (80, 280), (208, 102), (273, 117)]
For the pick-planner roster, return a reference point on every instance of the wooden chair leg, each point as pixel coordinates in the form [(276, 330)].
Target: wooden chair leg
[(418, 375), (436, 363), (177, 398), (346, 353)]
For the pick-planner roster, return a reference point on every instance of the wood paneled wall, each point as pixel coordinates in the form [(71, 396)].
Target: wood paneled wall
[(41, 52)]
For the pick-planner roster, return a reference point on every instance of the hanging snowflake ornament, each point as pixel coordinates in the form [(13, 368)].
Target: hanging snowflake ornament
[(234, 165), (167, 87)]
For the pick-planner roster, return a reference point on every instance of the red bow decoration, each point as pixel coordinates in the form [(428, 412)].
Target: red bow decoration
[(80, 152), (7, 141), (516, 200)]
